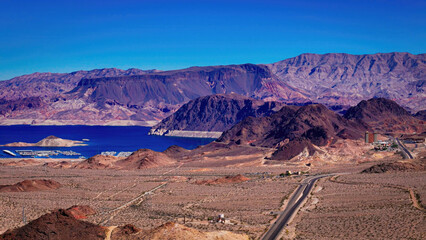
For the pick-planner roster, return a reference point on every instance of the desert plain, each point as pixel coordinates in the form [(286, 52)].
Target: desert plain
[(250, 193)]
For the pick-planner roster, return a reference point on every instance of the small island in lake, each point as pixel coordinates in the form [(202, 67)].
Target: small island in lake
[(50, 141)]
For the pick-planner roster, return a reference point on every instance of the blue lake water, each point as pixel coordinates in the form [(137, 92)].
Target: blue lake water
[(101, 138)]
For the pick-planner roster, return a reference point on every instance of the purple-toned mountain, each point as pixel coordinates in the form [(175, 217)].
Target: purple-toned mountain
[(110, 95), (376, 109), (52, 84), (215, 113), (421, 115), (344, 79), (292, 129), (385, 115), (24, 104), (155, 96), (180, 86), (295, 129)]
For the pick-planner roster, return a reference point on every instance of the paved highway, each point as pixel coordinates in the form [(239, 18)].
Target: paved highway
[(293, 204), (402, 147)]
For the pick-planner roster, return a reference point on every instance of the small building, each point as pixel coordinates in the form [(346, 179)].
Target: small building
[(381, 145), (221, 218), (371, 137)]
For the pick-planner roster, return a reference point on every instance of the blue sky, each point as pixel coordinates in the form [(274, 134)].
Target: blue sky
[(65, 36)]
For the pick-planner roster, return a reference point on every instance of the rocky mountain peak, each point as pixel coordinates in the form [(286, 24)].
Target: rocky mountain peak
[(216, 112)]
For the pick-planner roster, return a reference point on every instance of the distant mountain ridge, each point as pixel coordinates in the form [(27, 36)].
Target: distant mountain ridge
[(135, 96), (178, 86), (51, 84), (346, 79)]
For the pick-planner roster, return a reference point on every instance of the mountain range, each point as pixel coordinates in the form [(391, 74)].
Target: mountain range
[(295, 128), (111, 96)]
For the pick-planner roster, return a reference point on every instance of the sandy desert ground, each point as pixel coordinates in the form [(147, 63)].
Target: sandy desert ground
[(247, 205), (348, 206), (364, 206)]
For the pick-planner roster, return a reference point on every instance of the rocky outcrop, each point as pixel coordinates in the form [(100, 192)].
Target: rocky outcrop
[(59, 224), (140, 159), (293, 129), (375, 110), (50, 141), (145, 158), (81, 211), (385, 115), (65, 224), (397, 167), (31, 186), (98, 162), (214, 114)]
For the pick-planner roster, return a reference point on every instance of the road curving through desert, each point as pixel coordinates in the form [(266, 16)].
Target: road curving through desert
[(292, 207)]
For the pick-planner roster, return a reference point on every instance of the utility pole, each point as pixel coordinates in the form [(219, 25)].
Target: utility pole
[(24, 218)]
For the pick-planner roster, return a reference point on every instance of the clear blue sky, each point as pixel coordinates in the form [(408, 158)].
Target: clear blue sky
[(64, 36)]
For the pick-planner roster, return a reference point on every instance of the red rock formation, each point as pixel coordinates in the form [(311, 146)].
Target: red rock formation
[(57, 225), (62, 225), (98, 162), (81, 212), (145, 158), (31, 186), (397, 167)]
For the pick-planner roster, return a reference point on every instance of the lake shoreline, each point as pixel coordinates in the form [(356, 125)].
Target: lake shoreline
[(183, 133), (34, 122), (108, 139)]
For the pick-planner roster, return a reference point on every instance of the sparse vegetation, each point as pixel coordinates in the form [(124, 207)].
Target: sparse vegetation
[(247, 204), (366, 209)]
